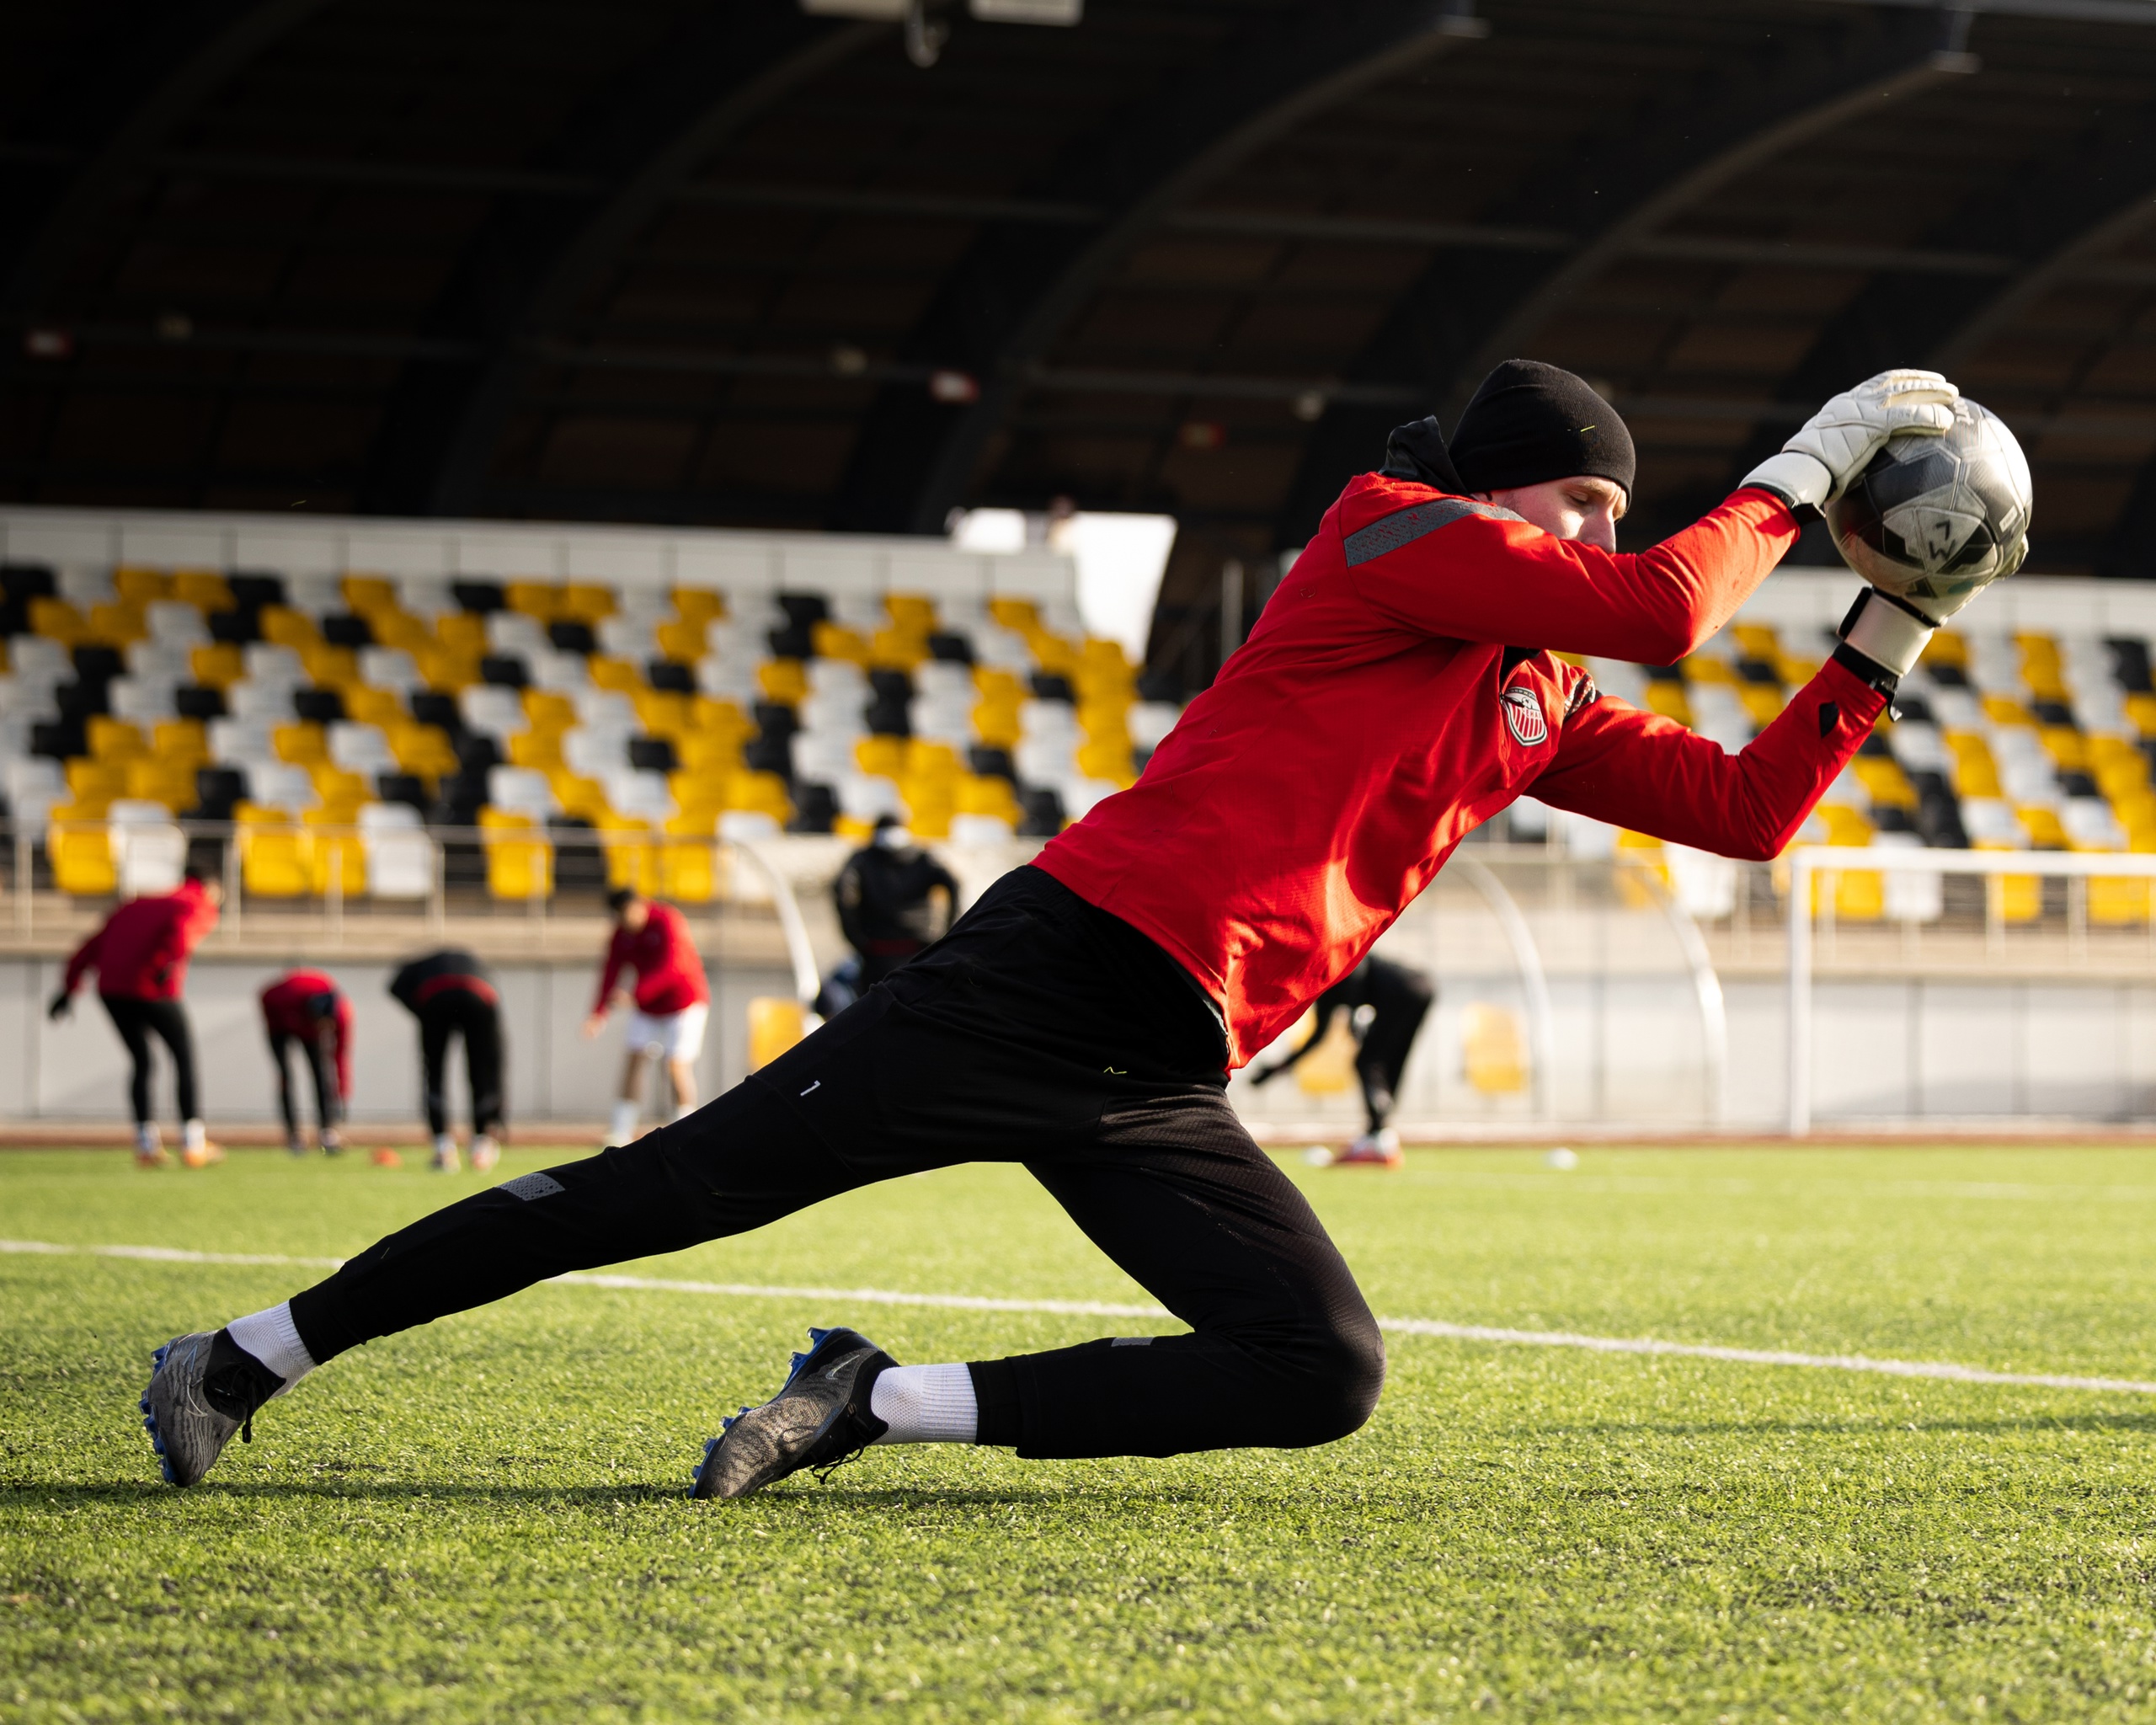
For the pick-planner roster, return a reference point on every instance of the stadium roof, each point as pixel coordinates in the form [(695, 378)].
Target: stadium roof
[(734, 263)]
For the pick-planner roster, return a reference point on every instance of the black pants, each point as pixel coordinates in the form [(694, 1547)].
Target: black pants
[(1039, 1031), (452, 1012), (315, 1050), (136, 1020)]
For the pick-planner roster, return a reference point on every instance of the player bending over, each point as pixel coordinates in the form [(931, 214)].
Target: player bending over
[(667, 1010), (1081, 1018), (1398, 997)]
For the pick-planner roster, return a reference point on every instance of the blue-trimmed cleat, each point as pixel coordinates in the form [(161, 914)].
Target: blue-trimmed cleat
[(819, 1418), (203, 1388)]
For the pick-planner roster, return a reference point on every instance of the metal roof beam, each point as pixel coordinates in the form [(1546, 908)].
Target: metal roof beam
[(530, 262), (1464, 315), (1018, 288)]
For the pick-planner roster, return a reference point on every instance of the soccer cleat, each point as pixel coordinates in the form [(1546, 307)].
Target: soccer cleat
[(819, 1418), (444, 1161), (154, 1158), (203, 1388), (1373, 1149), (485, 1153), (202, 1156)]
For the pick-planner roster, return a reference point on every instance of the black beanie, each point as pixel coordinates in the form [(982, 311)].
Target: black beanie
[(1530, 422)]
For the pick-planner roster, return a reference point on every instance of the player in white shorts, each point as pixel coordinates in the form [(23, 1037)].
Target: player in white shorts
[(667, 1009)]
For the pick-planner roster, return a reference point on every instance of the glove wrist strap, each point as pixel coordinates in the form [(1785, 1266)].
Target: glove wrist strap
[(1794, 476), (1889, 633)]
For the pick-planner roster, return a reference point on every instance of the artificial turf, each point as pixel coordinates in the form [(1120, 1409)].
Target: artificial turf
[(486, 1518)]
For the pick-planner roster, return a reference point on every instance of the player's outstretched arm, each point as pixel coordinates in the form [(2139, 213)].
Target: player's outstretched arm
[(1638, 769)]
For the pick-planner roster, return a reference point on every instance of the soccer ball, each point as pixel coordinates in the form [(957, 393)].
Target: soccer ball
[(1935, 517)]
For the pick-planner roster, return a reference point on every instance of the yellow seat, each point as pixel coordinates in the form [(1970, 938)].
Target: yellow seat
[(581, 799), (632, 859), (283, 627), (330, 667), (140, 585), (534, 599), (1757, 640), (761, 793), (975, 794), (153, 779), (338, 786), (549, 711), (1109, 760), (422, 748), (1494, 1046), (79, 848), (519, 863), (400, 629), (57, 620), (463, 632), (830, 640), (114, 739), (2045, 831), (622, 675), (368, 706), (1975, 772), (914, 612), (178, 740), (538, 749), (115, 623), (89, 780), (206, 589), (1699, 669), (1883, 779), (367, 594), (302, 742), (682, 640), (897, 649), (663, 712), (776, 1024), (1763, 703), (1014, 613), (586, 603), (688, 862), (218, 666), (276, 856), (702, 751), (2013, 898), (448, 670), (2118, 900), (785, 681), (700, 606)]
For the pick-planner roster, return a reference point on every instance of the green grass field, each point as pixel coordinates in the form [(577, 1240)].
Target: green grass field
[(486, 1518)]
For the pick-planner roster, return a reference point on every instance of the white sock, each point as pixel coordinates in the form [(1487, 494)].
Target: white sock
[(197, 1134), (625, 1123), (445, 1146), (925, 1404), (145, 1137), (272, 1338)]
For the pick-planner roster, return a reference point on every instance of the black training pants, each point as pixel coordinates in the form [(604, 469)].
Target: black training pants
[(315, 1050), (1040, 1031), (1400, 999), (136, 1020), (458, 1012)]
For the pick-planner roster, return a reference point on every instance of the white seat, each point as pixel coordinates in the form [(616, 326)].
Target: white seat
[(161, 659), (1048, 719), (841, 713), (724, 680), (271, 702), (513, 632), (426, 595), (605, 709), (821, 757), (593, 753), (28, 693), (361, 748), (493, 711), (865, 796), (268, 663), (1917, 746), (1000, 649), (390, 667), (2091, 826), (400, 855), (746, 826), (1847, 791), (626, 638), (1081, 795), (1046, 760), (1911, 896), (148, 850), (85, 585), (520, 790), (1151, 722), (982, 829), (40, 653), (1989, 820), (141, 700), (236, 742), (279, 784), (941, 679), (643, 796), (2030, 781), (22, 775), (558, 673), (832, 677), (173, 622)]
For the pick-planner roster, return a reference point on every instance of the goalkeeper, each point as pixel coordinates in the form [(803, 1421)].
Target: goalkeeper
[(1400, 689)]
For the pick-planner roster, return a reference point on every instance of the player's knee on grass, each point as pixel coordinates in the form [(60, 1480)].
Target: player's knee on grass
[(1346, 1375)]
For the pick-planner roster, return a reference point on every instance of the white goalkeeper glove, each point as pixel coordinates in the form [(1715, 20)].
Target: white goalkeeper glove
[(1838, 442)]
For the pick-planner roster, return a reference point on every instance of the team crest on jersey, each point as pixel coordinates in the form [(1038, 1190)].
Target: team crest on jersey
[(1524, 717)]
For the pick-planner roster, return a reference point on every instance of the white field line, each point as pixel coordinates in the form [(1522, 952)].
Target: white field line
[(1944, 1370)]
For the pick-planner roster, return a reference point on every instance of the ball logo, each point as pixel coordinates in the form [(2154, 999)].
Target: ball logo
[(1524, 717)]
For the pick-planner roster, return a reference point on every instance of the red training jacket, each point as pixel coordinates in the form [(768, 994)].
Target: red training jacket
[(1397, 692), (284, 1008), (669, 974), (141, 951)]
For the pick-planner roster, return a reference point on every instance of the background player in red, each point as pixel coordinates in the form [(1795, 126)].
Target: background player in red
[(305, 1014), (667, 1010), (452, 996), (141, 957), (1400, 689)]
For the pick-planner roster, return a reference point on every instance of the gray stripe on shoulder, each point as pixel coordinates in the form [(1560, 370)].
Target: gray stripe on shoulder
[(528, 1187), (1406, 525)]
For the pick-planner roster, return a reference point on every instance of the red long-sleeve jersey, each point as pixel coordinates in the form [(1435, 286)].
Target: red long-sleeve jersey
[(288, 1006), (669, 972), (1397, 692), (141, 951)]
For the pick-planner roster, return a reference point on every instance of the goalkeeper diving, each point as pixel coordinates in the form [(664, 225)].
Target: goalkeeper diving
[(1081, 1019)]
